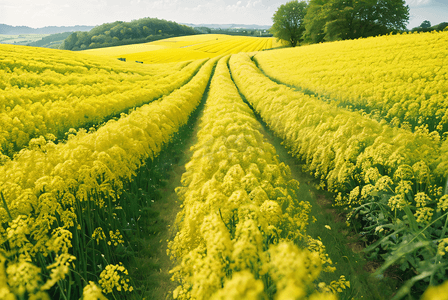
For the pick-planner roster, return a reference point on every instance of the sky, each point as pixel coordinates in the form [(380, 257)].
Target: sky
[(40, 13)]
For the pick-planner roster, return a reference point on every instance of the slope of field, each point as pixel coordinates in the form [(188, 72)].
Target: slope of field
[(187, 48), (120, 51), (48, 92), (400, 78)]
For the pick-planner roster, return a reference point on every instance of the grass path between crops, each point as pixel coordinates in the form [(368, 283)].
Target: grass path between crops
[(343, 246), (150, 266)]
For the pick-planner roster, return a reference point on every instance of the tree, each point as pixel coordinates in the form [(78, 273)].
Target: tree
[(288, 22), (348, 19), (315, 20), (70, 41), (425, 24)]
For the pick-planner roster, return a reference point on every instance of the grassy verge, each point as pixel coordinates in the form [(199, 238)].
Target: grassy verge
[(150, 265), (343, 246)]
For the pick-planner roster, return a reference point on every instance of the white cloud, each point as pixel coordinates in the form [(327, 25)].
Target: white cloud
[(198, 8), (165, 4), (418, 3), (234, 7), (39, 13), (254, 4)]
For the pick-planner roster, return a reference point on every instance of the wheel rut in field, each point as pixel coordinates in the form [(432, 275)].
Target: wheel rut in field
[(151, 265), (343, 246)]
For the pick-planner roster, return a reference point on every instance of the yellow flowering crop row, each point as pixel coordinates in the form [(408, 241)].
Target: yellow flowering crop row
[(400, 78), (116, 51), (202, 50), (393, 178), (339, 146), (175, 42), (240, 215), (187, 48), (167, 55), (65, 198), (45, 91)]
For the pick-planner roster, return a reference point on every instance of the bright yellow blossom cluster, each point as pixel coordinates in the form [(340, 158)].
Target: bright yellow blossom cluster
[(98, 235), (241, 217), (442, 248), (115, 277), (92, 292), (21, 278), (115, 238)]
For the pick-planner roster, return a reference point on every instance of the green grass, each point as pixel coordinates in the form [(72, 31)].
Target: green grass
[(343, 246), (150, 265)]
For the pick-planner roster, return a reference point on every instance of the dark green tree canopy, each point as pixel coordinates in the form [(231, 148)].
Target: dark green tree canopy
[(348, 19), (288, 22), (123, 33), (425, 24)]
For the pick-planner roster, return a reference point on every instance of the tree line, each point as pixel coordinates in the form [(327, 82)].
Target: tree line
[(426, 27), (329, 20), (123, 33)]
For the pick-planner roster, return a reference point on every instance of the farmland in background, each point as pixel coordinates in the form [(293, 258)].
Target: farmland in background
[(187, 48)]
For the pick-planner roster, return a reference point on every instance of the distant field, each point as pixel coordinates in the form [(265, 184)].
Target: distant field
[(20, 39), (123, 50), (187, 48)]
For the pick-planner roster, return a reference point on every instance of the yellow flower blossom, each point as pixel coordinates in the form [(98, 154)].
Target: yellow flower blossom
[(442, 248), (397, 202), (115, 238), (59, 269), (421, 199), (424, 214), (115, 277), (442, 205), (243, 285), (92, 292), (23, 277), (60, 241), (240, 204), (98, 235)]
